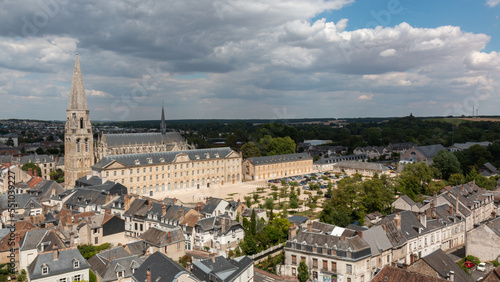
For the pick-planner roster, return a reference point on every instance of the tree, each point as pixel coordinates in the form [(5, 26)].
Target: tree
[(447, 163), (269, 203), (303, 274), (33, 167), (10, 142), (250, 150), (280, 145), (294, 203), (248, 200), (57, 175), (253, 223)]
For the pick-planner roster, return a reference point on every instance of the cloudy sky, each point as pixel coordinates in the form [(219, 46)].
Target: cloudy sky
[(267, 59)]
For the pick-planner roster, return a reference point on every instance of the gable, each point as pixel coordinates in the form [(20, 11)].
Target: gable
[(114, 165)]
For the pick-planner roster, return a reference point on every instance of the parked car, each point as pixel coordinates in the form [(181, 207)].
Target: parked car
[(481, 266), (469, 264)]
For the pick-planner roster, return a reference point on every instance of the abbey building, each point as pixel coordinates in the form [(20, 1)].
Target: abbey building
[(146, 163)]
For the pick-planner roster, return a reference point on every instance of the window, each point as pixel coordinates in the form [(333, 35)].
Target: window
[(334, 266), (348, 268), (77, 278), (294, 259), (178, 245), (76, 264), (45, 270), (325, 265), (62, 280), (315, 263), (96, 240)]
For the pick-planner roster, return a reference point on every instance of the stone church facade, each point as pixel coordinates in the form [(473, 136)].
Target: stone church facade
[(139, 143)]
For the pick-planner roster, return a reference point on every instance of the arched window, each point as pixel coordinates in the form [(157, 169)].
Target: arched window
[(86, 145), (81, 122), (78, 145)]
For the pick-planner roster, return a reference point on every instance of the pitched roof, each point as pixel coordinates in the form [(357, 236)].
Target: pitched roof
[(430, 151), (108, 262), (494, 225), (392, 273), (361, 165), (377, 239), (211, 205), (215, 223), (443, 264), (162, 268), (142, 138), (279, 158), (34, 239), (64, 264), (160, 238), (136, 248), (129, 160), (221, 268)]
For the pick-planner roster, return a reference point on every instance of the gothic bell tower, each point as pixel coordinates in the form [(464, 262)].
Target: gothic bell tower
[(78, 138)]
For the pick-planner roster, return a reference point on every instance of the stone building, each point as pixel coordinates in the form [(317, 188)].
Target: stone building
[(137, 143), (78, 138), (277, 166), (483, 241), (155, 174)]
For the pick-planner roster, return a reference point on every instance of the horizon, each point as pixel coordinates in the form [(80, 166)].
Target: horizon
[(271, 60)]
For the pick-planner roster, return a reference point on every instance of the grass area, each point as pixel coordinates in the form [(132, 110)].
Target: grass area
[(308, 213)]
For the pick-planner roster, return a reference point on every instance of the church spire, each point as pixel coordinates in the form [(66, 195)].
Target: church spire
[(163, 128), (77, 98)]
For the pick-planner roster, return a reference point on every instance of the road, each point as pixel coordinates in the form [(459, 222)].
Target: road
[(261, 277)]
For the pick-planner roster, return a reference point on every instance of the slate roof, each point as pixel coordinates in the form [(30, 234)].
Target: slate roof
[(129, 160), (162, 268), (36, 159), (211, 205), (297, 219), (279, 158), (63, 265), (394, 235), (83, 181), (86, 197), (142, 138), (137, 207), (337, 159), (44, 188), (22, 200), (411, 226), (136, 248), (361, 165), (494, 225), (467, 145), (430, 151), (443, 264), (215, 223), (221, 268), (108, 262), (392, 273), (34, 239), (161, 238), (377, 239)]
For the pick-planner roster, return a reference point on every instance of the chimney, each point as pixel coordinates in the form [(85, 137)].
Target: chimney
[(108, 197), (383, 226), (169, 237), (148, 276), (36, 173), (55, 252), (212, 257), (452, 275), (180, 213), (435, 199), (175, 200), (163, 209), (71, 239), (188, 266), (150, 204), (206, 200), (423, 219), (360, 234), (451, 210), (456, 204), (397, 220), (126, 201), (309, 226), (30, 171), (292, 231), (473, 183)]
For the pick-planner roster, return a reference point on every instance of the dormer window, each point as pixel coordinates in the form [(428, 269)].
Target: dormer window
[(162, 160), (76, 263), (150, 160), (45, 269), (137, 162)]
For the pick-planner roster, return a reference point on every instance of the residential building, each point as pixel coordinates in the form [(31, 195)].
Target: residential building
[(63, 265), (35, 242), (277, 166), (457, 147), (46, 163), (115, 264), (421, 154), (392, 273), (223, 270), (214, 207), (159, 267), (439, 264), (219, 233), (169, 242), (330, 252), (484, 241)]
